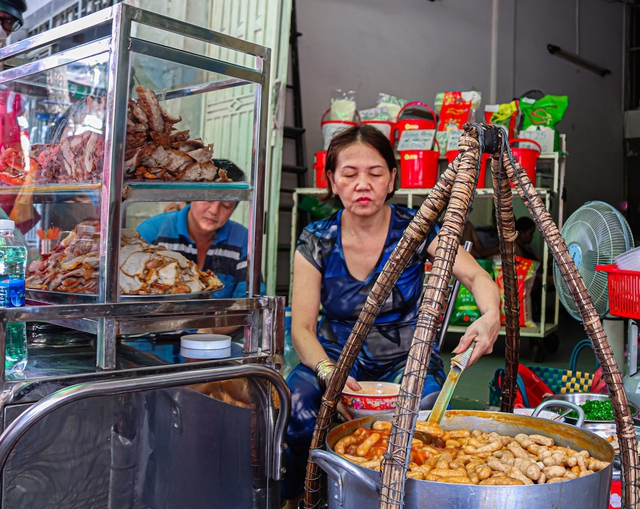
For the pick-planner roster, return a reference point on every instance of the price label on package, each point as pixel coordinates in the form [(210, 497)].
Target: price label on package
[(416, 139), (543, 135)]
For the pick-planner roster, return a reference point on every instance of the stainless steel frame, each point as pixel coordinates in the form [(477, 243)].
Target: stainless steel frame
[(107, 315)]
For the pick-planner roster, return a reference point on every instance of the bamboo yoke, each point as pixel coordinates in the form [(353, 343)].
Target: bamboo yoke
[(455, 191)]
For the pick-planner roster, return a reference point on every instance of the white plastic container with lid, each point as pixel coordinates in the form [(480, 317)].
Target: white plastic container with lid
[(205, 346)]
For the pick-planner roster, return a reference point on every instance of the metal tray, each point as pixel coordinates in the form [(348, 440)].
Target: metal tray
[(579, 398), (48, 297)]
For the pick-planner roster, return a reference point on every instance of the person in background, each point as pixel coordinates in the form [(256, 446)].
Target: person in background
[(478, 249), (525, 228), (336, 264), (204, 233), (11, 16)]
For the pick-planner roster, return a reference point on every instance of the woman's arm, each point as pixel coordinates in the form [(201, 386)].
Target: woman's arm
[(305, 305), (484, 331)]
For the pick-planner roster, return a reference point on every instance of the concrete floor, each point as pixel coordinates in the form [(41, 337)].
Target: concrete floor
[(472, 391)]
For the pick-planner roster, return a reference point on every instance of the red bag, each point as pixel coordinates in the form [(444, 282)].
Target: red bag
[(530, 389), (536, 389)]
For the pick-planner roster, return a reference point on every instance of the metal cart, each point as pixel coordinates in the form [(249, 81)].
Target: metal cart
[(107, 414)]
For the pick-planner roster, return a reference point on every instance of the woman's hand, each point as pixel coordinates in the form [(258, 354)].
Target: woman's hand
[(342, 412), (484, 332)]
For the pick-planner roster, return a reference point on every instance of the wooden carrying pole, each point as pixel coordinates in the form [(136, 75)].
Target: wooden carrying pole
[(396, 459)]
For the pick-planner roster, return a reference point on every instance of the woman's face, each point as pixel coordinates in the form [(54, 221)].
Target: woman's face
[(362, 179)]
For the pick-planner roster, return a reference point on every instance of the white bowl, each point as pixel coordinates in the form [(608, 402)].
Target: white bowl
[(374, 389)]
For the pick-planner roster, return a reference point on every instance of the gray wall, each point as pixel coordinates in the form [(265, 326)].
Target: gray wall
[(416, 48)]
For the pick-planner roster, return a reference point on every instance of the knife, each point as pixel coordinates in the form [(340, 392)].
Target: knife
[(458, 364)]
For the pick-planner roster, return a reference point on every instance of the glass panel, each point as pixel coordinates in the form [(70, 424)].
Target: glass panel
[(191, 128), (186, 43), (180, 117), (51, 150)]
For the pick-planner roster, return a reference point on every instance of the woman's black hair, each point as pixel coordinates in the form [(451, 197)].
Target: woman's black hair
[(366, 134), (524, 224)]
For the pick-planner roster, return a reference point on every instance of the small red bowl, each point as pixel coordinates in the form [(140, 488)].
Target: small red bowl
[(377, 396)]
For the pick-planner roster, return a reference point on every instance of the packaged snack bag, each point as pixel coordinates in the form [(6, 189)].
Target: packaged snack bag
[(454, 110), (465, 309), (505, 115), (546, 112), (392, 104), (343, 106), (526, 273)]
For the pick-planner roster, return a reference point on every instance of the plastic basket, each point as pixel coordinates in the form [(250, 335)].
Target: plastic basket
[(624, 291)]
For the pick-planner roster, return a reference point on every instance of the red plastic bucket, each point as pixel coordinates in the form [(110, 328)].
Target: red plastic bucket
[(384, 126), (527, 157), (332, 127), (419, 168), (318, 165), (406, 124), (482, 177)]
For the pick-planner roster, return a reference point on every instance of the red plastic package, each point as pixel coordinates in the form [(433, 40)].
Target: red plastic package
[(526, 273)]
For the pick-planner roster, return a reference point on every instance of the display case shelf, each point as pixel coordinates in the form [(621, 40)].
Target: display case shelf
[(186, 191)]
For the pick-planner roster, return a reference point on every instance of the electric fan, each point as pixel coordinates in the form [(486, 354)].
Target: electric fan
[(595, 234)]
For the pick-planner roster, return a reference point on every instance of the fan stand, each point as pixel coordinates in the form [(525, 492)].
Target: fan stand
[(614, 329), (455, 191)]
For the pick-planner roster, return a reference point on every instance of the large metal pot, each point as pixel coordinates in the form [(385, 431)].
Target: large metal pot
[(353, 487)]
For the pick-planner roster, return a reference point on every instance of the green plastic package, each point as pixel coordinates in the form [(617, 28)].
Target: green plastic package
[(465, 310), (317, 208), (546, 112)]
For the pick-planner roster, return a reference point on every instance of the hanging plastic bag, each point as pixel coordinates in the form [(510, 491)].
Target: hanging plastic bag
[(546, 112), (505, 115), (454, 110)]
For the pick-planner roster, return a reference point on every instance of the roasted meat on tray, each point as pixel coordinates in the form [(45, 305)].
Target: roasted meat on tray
[(73, 267), (156, 150)]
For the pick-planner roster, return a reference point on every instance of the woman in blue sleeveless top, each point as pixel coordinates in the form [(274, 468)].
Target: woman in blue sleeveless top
[(336, 264)]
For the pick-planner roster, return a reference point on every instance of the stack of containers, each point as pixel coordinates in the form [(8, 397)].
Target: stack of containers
[(629, 260), (329, 129), (415, 133)]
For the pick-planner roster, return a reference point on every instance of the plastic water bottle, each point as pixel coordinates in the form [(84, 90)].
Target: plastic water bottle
[(13, 263)]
